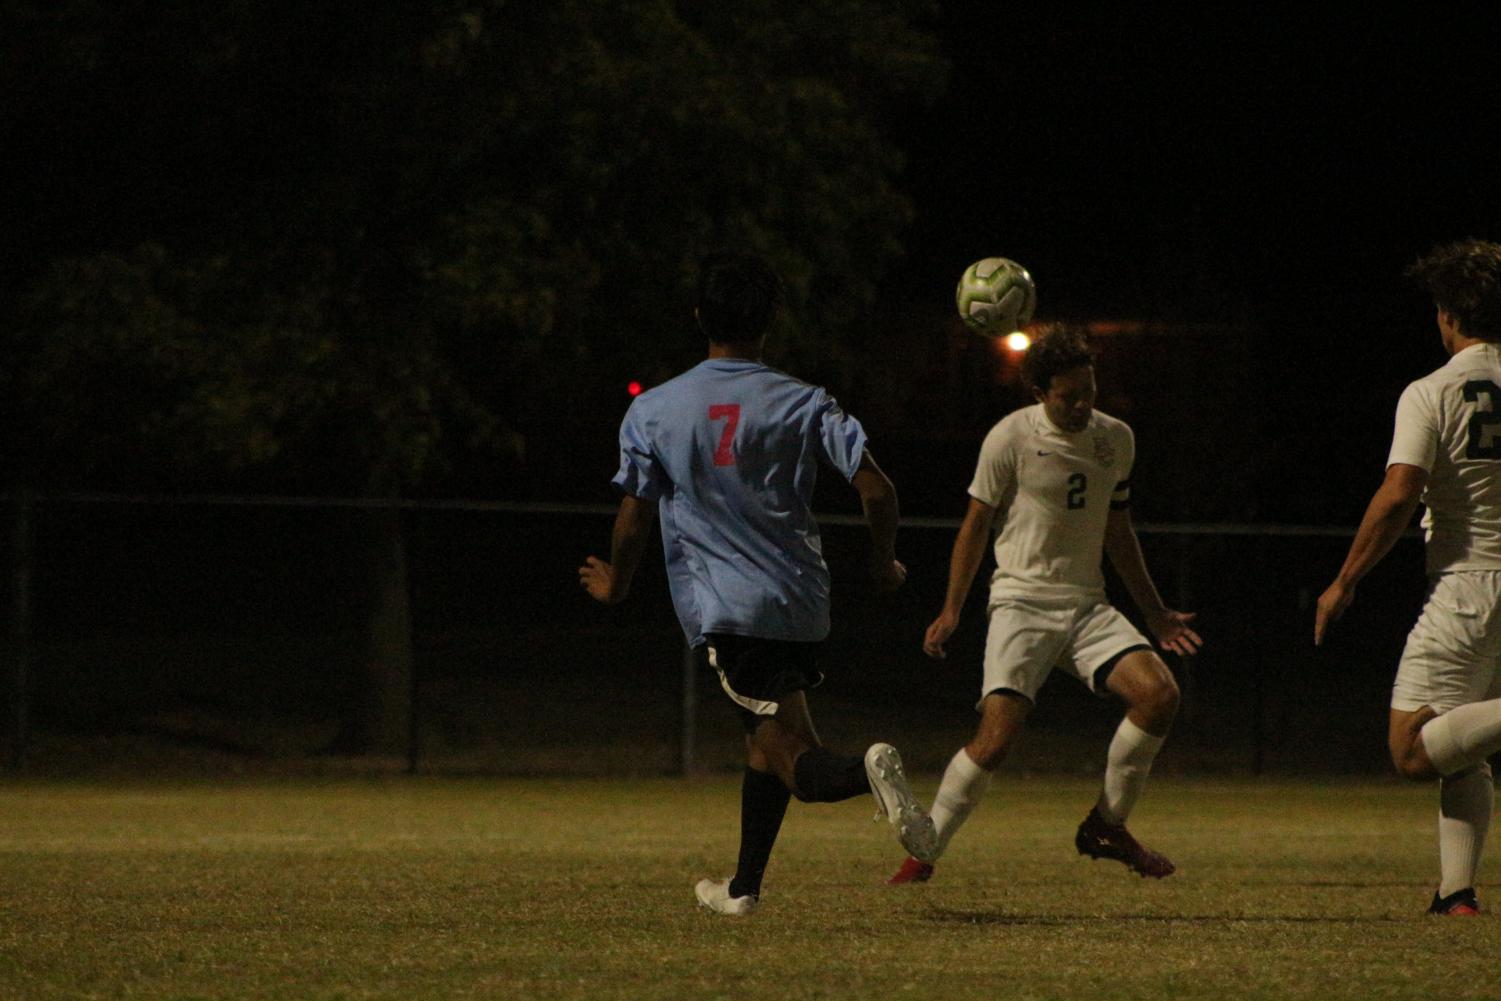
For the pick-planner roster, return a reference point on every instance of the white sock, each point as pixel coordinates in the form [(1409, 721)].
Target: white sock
[(1463, 737), (1132, 751), (1464, 816), (963, 785)]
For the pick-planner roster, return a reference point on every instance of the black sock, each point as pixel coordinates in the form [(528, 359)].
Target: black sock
[(763, 804), (825, 777)]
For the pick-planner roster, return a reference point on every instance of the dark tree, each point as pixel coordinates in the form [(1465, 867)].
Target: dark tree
[(370, 248)]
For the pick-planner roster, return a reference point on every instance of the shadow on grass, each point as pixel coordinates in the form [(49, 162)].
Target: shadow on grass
[(1345, 884), (945, 916)]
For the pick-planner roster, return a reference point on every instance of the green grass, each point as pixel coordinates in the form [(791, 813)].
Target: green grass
[(571, 889)]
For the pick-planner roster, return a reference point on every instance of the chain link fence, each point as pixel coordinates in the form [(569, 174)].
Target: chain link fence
[(233, 628)]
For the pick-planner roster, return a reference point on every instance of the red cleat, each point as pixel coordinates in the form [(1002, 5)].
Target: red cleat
[(1098, 839), (1460, 903), (912, 871)]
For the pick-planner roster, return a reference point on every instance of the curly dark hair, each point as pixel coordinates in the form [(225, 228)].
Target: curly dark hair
[(738, 295), (1058, 349), (1464, 279)]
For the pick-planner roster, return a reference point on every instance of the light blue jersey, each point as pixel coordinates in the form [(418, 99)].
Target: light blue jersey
[(730, 450)]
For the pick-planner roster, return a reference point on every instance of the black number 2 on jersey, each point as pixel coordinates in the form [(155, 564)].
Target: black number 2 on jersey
[(1078, 483), (1485, 425)]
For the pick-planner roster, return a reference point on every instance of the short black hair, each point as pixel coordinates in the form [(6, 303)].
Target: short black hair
[(738, 296), (1057, 349), (1464, 279)]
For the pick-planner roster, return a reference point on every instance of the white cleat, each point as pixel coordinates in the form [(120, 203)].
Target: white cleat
[(714, 895), (895, 802)]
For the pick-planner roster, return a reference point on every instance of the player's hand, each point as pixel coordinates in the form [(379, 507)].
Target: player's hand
[(598, 578), (1174, 633), (888, 574), (938, 634), (1332, 604)]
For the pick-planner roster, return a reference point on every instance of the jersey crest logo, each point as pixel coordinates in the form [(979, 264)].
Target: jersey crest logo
[(1104, 453)]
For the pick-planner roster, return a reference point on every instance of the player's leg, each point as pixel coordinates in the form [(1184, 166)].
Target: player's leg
[(1446, 744), (1445, 722), (1466, 791), (1111, 657), (1465, 804), (763, 805), (752, 674), (1022, 643), (1145, 684), (1445, 715), (788, 746), (1466, 800), (968, 775), (1404, 739), (767, 680)]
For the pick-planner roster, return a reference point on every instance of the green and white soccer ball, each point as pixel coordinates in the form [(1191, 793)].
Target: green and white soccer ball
[(996, 296)]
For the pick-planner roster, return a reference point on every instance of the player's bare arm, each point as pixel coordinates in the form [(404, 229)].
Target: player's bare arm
[(611, 582), (878, 500), (1386, 518), (1172, 628), (969, 550)]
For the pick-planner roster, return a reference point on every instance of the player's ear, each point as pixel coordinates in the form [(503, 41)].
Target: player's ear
[(1448, 329)]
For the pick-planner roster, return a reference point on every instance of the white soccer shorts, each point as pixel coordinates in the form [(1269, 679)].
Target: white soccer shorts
[(1028, 639), (1451, 654)]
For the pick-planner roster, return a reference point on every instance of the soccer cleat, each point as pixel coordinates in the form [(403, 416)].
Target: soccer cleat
[(714, 895), (1457, 904), (1098, 839), (895, 802), (912, 871)]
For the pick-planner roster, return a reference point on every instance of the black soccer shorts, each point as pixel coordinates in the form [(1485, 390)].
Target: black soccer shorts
[(757, 673)]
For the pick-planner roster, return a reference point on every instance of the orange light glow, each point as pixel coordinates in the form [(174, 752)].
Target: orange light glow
[(1017, 341)]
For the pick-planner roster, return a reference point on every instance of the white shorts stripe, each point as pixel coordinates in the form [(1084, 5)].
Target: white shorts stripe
[(756, 706)]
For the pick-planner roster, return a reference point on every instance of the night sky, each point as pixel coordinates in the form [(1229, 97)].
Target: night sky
[(1194, 163), (1270, 170)]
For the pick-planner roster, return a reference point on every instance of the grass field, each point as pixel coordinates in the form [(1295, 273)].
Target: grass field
[(472, 888)]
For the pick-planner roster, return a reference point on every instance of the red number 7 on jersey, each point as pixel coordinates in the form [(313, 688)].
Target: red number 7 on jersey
[(724, 455)]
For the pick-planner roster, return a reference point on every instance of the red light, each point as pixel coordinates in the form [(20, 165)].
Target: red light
[(633, 387)]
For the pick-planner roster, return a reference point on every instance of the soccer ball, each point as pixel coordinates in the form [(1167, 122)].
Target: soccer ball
[(996, 296)]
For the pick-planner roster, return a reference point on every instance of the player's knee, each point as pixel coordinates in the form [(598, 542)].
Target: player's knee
[(774, 749), (1413, 769), (1159, 701), (989, 749), (1410, 761), (988, 757), (1168, 697)]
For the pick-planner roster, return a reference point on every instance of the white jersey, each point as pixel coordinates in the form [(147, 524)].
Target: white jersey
[(1053, 491), (1449, 423)]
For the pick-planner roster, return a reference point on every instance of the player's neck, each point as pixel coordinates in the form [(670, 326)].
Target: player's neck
[(1460, 342), (747, 350)]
